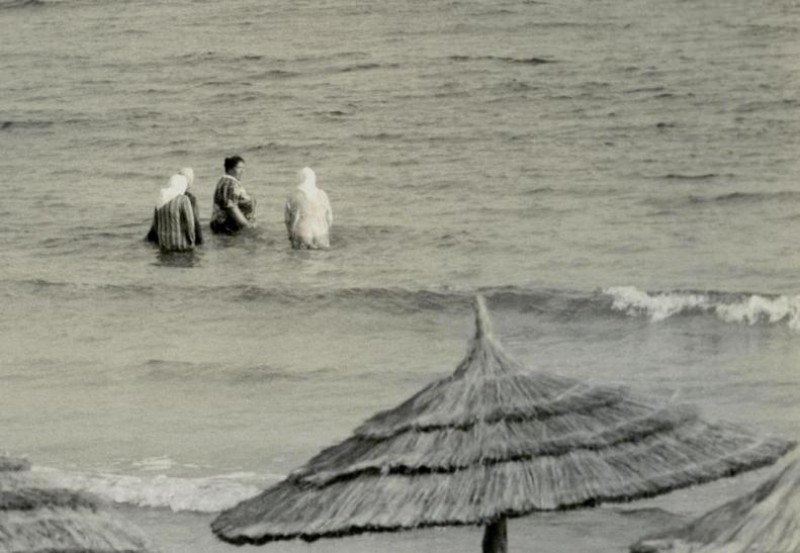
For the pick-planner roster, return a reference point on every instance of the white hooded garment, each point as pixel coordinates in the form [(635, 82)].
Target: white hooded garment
[(176, 186), (188, 172), (308, 214)]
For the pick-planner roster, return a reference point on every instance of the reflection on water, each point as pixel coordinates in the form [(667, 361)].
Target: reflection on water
[(181, 260), (247, 238)]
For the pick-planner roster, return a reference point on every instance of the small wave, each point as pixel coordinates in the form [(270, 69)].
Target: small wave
[(327, 56), (336, 114), (380, 136), (518, 86), (237, 97), (766, 30), (751, 107), (681, 176), (751, 309), (384, 299), (638, 90), (451, 94), (211, 55), (275, 74), (9, 4), (745, 197), (141, 114), (166, 371), (128, 290), (10, 126), (539, 190), (38, 286), (206, 495), (535, 60), (527, 61), (360, 67), (492, 12), (273, 147), (216, 82)]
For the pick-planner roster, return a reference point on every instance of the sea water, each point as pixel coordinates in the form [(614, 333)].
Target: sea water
[(619, 179)]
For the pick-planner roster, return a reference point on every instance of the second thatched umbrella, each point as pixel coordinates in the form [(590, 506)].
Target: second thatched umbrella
[(37, 519), (494, 441), (766, 520)]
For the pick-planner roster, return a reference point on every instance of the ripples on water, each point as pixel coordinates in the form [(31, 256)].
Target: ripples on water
[(618, 178)]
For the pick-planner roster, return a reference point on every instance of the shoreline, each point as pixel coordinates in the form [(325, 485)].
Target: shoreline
[(612, 527), (581, 531)]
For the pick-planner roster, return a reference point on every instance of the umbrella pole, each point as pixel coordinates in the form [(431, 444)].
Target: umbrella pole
[(495, 538)]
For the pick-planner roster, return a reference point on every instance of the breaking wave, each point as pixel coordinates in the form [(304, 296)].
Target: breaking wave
[(748, 309), (159, 491), (629, 301), (6, 4)]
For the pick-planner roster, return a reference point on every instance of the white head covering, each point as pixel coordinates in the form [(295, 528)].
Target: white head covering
[(175, 187), (308, 182), (188, 172)]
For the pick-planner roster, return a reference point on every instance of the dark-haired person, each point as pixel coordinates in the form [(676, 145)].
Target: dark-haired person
[(233, 209)]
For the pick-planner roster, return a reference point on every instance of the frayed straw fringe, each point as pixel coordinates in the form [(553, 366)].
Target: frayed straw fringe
[(62, 530), (28, 499), (765, 520), (35, 519), (495, 440), (474, 496)]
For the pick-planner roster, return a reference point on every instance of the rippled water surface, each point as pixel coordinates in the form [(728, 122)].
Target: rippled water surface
[(618, 178)]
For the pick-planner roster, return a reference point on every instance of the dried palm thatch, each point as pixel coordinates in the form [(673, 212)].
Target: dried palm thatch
[(35, 519), (492, 441), (766, 520)]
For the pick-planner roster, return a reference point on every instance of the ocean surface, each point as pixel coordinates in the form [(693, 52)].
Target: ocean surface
[(618, 178)]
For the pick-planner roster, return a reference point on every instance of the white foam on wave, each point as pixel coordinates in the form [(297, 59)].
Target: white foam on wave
[(657, 307), (207, 495), (155, 464), (758, 308), (752, 309)]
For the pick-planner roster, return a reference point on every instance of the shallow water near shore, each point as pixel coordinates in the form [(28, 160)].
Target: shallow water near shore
[(618, 179)]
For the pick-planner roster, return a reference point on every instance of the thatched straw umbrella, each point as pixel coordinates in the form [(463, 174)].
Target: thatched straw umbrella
[(35, 519), (491, 441), (766, 520)]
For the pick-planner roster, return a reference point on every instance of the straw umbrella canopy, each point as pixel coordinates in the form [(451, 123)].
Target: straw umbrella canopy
[(491, 441), (766, 520), (37, 519)]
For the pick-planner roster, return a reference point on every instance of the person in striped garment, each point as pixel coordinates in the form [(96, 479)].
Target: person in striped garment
[(188, 172), (233, 210), (174, 218)]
